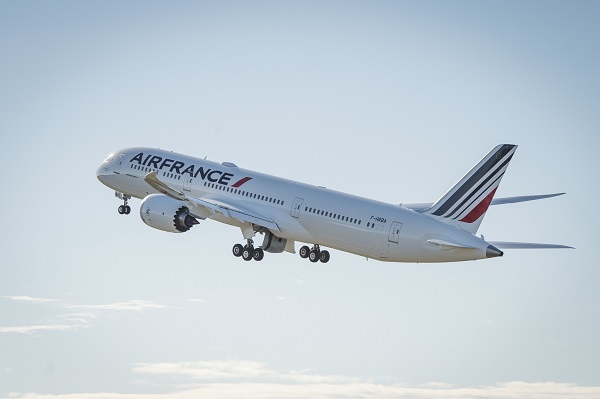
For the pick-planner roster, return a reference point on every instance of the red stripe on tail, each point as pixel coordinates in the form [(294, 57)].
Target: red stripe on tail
[(480, 209)]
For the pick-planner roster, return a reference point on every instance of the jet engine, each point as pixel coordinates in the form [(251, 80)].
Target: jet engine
[(166, 214)]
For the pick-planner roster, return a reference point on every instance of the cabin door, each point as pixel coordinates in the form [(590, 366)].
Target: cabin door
[(295, 212), (395, 232)]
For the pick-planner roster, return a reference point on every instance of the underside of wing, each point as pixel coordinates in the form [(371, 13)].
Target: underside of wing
[(205, 207), (230, 209)]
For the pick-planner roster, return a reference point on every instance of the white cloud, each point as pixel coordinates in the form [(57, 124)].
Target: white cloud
[(206, 370), (132, 305), (359, 390), (23, 298), (29, 330), (73, 321)]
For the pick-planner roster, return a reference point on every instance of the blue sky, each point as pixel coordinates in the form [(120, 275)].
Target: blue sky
[(389, 100)]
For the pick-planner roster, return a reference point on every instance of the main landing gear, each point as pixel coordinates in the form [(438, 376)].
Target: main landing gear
[(315, 254), (248, 252), (124, 209)]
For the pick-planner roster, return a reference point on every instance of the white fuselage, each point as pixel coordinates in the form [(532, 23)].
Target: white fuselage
[(303, 212)]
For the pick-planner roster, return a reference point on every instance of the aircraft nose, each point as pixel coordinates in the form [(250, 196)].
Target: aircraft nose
[(103, 171)]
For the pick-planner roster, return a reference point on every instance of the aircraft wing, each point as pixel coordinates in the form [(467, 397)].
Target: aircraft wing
[(204, 207), (420, 207)]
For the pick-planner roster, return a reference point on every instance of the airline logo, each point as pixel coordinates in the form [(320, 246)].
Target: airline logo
[(471, 197), (174, 166)]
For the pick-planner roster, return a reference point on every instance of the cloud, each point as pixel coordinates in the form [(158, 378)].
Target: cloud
[(357, 390), (22, 298), (234, 378), (73, 321), (132, 305), (29, 330), (231, 378)]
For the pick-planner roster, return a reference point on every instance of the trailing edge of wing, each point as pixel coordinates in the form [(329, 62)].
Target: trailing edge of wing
[(419, 207), (232, 210), (200, 207), (526, 245)]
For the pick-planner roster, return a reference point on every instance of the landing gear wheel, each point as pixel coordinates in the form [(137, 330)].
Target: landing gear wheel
[(248, 253), (123, 209), (324, 257), (259, 254), (304, 252), (314, 255), (237, 250)]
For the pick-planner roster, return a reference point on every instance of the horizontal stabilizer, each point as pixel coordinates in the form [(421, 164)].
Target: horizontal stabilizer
[(526, 245), (523, 198), (420, 207)]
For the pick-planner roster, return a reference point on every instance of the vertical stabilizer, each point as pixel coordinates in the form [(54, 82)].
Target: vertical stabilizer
[(465, 204)]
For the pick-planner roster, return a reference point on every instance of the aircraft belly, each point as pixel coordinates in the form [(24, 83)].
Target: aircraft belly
[(337, 235)]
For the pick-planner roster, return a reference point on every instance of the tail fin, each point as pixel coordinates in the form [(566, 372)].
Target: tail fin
[(465, 204)]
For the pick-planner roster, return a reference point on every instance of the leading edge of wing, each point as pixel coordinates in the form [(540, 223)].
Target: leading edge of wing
[(526, 245), (212, 206)]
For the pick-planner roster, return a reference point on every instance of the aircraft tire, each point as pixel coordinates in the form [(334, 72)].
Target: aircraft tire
[(237, 250), (127, 209), (258, 254), (248, 254), (304, 251), (121, 209), (324, 257), (314, 256)]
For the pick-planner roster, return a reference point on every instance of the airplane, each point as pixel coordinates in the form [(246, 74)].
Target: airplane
[(178, 191)]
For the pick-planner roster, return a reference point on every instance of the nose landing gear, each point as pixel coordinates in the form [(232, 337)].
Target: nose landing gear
[(123, 209)]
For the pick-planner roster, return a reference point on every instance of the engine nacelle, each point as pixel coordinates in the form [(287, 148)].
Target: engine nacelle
[(166, 214)]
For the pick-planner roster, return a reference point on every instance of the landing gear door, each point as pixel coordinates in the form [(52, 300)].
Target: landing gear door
[(187, 183), (395, 232), (295, 212), (118, 163)]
